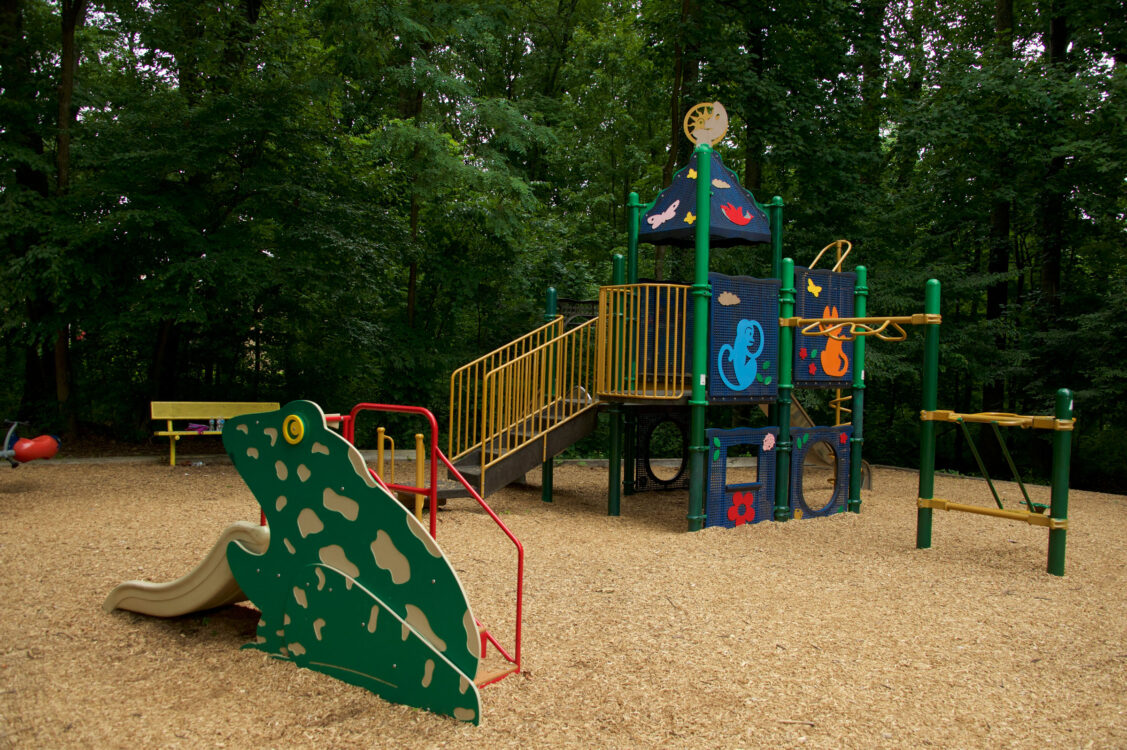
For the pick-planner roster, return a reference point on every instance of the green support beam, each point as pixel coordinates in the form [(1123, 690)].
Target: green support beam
[(775, 221), (547, 469), (702, 292), (927, 426), (1058, 508), (614, 480), (860, 307), (786, 385)]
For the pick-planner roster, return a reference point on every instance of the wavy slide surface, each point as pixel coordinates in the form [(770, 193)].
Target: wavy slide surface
[(210, 584)]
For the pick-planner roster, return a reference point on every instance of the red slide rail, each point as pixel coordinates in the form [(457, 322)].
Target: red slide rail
[(348, 430)]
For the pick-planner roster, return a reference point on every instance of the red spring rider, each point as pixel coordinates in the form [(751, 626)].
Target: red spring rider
[(19, 450)]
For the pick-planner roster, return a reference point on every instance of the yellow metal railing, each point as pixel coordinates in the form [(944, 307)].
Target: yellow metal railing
[(642, 341), (467, 387), (539, 390)]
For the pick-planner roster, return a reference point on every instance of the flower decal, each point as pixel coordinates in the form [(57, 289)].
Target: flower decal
[(842, 438), (768, 442), (742, 509), (813, 369), (802, 353)]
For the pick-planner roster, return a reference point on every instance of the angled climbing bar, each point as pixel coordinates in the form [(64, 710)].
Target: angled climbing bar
[(1001, 419), (1030, 517)]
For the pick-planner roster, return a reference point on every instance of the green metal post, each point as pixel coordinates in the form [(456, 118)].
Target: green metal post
[(786, 385), (775, 221), (630, 432), (702, 291), (927, 426), (614, 479), (547, 469), (860, 306), (1058, 509), (633, 217)]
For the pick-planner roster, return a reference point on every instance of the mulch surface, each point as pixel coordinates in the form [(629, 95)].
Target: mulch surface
[(827, 633)]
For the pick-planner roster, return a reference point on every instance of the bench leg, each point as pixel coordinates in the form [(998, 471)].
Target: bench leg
[(172, 449)]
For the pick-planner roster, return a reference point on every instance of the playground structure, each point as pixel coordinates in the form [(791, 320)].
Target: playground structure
[(349, 582), (648, 353), (16, 450), (1054, 517)]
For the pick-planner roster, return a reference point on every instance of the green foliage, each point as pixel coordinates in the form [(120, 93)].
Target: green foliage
[(345, 201)]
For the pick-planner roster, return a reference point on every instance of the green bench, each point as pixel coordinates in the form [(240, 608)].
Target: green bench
[(203, 412)]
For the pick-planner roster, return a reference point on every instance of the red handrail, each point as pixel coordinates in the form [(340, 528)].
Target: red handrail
[(515, 660), (348, 430)]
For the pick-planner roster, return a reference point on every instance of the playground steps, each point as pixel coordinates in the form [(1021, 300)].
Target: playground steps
[(534, 439)]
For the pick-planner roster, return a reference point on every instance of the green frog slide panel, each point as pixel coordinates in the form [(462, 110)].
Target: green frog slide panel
[(349, 583)]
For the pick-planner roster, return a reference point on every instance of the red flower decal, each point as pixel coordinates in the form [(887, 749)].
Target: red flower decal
[(841, 438), (742, 509), (802, 353), (813, 369)]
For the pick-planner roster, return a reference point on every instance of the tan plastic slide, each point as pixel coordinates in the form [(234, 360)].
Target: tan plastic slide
[(210, 584)]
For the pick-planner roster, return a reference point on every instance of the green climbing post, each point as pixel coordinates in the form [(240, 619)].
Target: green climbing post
[(775, 222), (547, 469), (927, 426), (1058, 508), (786, 385), (614, 479), (860, 306), (630, 425), (633, 217), (702, 292)]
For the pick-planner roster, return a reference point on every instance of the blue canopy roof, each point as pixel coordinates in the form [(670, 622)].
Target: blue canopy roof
[(736, 217)]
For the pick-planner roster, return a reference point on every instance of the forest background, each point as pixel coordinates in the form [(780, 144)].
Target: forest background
[(345, 200)]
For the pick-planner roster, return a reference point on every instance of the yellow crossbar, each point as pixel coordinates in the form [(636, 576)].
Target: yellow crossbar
[(1002, 419), (1033, 519)]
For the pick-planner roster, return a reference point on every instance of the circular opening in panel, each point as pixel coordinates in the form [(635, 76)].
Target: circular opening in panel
[(819, 476), (666, 452)]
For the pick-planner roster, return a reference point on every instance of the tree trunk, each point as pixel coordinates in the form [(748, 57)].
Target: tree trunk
[(998, 261), (414, 109), (1051, 216), (162, 372), (872, 85), (753, 128), (73, 13), (676, 121)]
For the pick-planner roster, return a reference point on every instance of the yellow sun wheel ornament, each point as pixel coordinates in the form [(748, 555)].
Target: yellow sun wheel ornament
[(706, 123)]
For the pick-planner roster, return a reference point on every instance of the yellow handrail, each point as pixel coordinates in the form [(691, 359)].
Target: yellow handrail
[(642, 340), (467, 387), (527, 396), (840, 255)]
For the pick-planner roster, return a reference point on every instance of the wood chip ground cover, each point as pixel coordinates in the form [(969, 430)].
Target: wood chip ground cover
[(829, 633)]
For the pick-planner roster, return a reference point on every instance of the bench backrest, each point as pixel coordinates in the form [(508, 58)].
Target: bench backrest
[(209, 409)]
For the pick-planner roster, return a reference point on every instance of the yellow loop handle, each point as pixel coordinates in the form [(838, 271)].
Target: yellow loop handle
[(293, 429), (840, 255)]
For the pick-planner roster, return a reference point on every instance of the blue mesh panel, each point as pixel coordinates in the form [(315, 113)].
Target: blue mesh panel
[(743, 358), (728, 504), (804, 438), (818, 293), (649, 418)]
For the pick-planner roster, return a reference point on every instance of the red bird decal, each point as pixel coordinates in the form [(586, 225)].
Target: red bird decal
[(736, 214)]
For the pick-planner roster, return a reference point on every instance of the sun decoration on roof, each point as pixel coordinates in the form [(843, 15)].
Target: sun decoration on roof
[(706, 123)]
